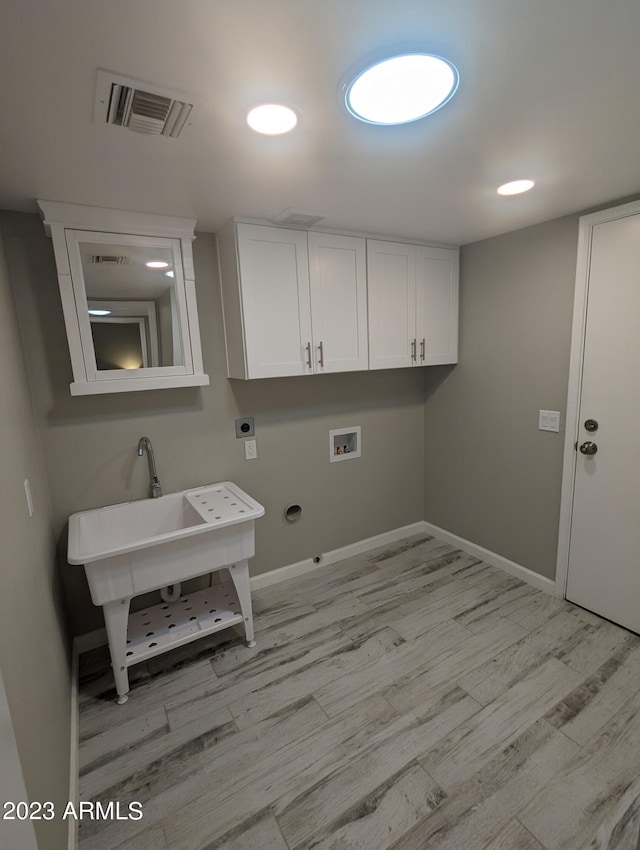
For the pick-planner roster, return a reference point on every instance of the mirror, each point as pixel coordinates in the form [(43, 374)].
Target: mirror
[(132, 307), (128, 299)]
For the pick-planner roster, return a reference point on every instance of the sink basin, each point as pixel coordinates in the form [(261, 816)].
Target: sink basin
[(133, 547), (116, 529)]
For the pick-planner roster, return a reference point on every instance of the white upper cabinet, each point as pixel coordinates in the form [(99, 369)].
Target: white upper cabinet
[(274, 281), (437, 275), (127, 286), (391, 270), (413, 305), (294, 303), (301, 302), (338, 279)]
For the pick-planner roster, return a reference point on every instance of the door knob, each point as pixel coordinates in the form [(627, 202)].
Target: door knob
[(588, 448)]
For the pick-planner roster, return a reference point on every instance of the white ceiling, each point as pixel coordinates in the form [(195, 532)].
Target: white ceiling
[(549, 90)]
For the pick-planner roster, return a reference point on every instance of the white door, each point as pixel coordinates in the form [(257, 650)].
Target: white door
[(604, 550), (391, 269), (437, 305), (338, 279), (274, 272)]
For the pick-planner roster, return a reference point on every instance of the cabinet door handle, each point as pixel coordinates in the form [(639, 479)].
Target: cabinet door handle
[(414, 346), (308, 350), (321, 352), (423, 346)]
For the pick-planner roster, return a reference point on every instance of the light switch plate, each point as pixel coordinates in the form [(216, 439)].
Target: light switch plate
[(549, 420)]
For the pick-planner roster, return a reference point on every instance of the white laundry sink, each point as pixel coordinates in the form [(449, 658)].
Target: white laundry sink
[(134, 547)]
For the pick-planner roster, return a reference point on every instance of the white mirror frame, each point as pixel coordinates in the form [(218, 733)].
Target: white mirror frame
[(62, 223)]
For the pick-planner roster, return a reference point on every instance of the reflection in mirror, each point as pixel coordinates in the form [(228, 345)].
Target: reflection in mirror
[(124, 334), (120, 345), (131, 298)]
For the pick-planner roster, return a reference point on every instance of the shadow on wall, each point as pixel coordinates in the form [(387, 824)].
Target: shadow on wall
[(434, 378), (310, 396)]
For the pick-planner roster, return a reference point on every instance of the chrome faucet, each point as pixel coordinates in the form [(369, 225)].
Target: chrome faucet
[(145, 443)]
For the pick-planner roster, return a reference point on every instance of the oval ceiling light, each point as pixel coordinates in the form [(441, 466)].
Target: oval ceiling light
[(272, 119), (402, 89), (157, 264), (99, 312), (515, 187)]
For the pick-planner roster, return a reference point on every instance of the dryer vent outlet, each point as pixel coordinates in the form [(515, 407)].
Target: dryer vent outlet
[(245, 427)]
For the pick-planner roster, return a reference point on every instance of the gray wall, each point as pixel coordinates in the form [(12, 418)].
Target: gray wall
[(33, 645), (89, 442), (490, 475)]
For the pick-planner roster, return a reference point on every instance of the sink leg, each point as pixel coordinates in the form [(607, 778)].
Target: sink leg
[(240, 576), (116, 618)]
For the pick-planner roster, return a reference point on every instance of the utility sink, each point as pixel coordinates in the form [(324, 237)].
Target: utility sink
[(135, 547), (129, 526)]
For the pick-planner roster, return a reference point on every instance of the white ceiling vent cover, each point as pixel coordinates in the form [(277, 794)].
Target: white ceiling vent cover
[(297, 218), (144, 107)]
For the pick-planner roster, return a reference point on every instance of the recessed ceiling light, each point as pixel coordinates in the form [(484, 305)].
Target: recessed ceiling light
[(515, 187), (272, 119), (157, 264), (170, 273), (99, 312), (402, 89)]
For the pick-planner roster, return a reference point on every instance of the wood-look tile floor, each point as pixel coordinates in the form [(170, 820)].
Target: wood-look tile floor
[(411, 697)]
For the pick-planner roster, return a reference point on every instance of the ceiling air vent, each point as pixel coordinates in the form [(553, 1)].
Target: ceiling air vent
[(296, 218), (109, 259), (144, 107)]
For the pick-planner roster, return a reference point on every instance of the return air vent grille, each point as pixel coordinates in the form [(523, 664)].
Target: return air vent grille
[(144, 107), (296, 218), (109, 259)]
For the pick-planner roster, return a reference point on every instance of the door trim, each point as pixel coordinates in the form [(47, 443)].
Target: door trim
[(585, 233)]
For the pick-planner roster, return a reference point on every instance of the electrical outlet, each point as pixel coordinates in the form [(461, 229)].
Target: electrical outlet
[(250, 450)]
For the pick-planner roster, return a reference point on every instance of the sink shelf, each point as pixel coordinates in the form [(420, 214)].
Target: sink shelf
[(223, 503), (162, 627)]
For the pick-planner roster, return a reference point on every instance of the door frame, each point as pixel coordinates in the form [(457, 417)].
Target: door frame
[(572, 422)]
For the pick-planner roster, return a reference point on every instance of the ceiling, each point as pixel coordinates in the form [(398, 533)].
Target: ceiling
[(548, 90)]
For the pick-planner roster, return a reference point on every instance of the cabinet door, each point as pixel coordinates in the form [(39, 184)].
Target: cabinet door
[(338, 279), (391, 270), (437, 305), (274, 275)]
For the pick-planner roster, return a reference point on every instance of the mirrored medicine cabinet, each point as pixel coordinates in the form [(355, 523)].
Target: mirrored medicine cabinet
[(128, 296)]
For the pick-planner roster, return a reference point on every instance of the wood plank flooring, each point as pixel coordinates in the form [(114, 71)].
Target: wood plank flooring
[(410, 697)]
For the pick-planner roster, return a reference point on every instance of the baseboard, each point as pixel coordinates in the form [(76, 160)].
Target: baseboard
[(90, 640), (74, 755), (492, 558), (308, 565)]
